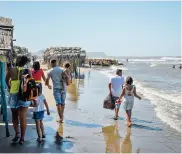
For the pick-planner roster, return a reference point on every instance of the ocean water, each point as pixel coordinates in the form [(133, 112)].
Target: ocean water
[(158, 82)]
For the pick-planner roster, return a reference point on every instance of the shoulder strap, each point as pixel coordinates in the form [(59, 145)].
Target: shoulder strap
[(19, 69), (20, 74)]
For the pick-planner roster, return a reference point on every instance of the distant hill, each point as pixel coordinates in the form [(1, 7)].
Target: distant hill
[(96, 55), (39, 53)]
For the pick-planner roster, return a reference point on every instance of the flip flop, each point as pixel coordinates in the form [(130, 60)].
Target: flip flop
[(16, 138), (43, 136)]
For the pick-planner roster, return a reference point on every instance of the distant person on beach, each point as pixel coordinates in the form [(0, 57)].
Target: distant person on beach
[(90, 64), (180, 67), (173, 66), (67, 71), (38, 74), (38, 115), (115, 87), (17, 104), (59, 92), (129, 91)]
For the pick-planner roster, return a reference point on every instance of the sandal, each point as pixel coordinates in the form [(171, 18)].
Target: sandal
[(39, 140), (16, 138), (43, 136), (21, 141)]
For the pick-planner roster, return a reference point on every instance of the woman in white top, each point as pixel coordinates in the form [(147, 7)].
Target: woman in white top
[(129, 91)]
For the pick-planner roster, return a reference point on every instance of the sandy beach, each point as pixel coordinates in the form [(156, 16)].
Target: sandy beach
[(138, 40), (89, 128)]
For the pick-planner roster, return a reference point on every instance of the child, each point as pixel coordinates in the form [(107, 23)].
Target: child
[(38, 74), (67, 76), (129, 91), (38, 115), (68, 71)]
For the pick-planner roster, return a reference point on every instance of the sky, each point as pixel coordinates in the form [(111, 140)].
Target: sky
[(116, 28)]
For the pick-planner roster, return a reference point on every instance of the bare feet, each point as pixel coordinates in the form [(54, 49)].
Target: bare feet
[(60, 120), (129, 124)]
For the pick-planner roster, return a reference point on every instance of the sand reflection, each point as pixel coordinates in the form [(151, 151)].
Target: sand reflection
[(74, 90), (60, 132), (112, 138), (126, 146), (114, 142)]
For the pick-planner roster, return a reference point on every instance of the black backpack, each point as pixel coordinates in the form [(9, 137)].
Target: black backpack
[(29, 90)]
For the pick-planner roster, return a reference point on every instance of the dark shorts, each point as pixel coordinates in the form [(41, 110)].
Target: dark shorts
[(40, 86), (38, 115), (115, 99)]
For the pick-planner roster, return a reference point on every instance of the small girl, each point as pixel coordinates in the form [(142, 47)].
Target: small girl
[(129, 91), (38, 115)]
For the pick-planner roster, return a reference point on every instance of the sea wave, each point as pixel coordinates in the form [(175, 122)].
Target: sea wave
[(146, 60), (153, 65), (171, 58), (163, 60), (166, 104)]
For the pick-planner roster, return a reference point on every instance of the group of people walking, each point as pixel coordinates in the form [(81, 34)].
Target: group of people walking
[(61, 78), (16, 81)]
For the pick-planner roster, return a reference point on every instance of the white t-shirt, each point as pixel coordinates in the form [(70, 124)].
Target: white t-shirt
[(40, 104), (116, 85)]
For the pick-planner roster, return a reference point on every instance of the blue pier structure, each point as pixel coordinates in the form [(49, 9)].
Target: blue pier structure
[(6, 50)]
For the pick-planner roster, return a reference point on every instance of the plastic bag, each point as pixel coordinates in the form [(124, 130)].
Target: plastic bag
[(109, 103)]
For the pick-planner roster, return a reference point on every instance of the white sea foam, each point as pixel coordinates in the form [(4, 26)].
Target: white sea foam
[(163, 60), (146, 60), (171, 58), (166, 105), (153, 65), (118, 67)]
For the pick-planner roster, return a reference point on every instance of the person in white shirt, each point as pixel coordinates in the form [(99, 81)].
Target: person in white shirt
[(38, 115), (115, 87)]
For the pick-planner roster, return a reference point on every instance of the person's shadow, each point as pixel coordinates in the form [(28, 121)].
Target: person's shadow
[(89, 74)]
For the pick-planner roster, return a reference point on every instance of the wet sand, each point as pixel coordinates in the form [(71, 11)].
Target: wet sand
[(92, 128), (89, 128)]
